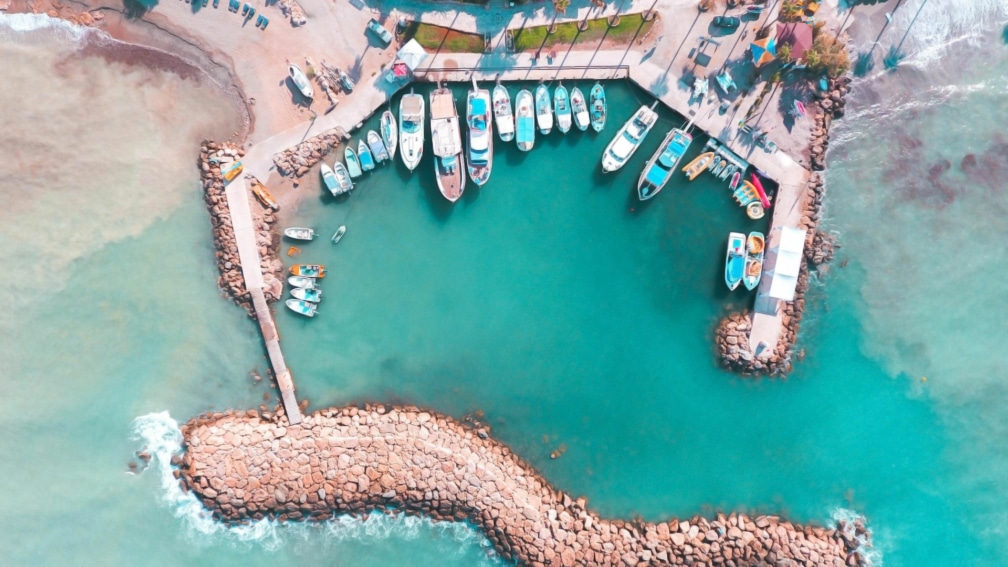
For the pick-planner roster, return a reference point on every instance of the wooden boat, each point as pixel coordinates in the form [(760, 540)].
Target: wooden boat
[(758, 185), (311, 295), (720, 167), (308, 270), (301, 81), (366, 159), (389, 133), (735, 178), (267, 200), (411, 129), (329, 180), (449, 162), (377, 147), (629, 138), (562, 109), (338, 235), (525, 124), (342, 178), (698, 164), (299, 233), (480, 147), (301, 281), (544, 109), (755, 248), (503, 116), (735, 259), (597, 107), (353, 164), (232, 170), (659, 168), (580, 109), (301, 307)]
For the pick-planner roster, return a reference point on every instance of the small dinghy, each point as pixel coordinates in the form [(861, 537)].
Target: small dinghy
[(378, 149), (299, 233), (302, 307), (308, 270), (311, 295), (580, 109), (366, 159), (301, 81), (301, 281), (597, 107), (352, 163), (338, 235), (389, 133), (698, 164)]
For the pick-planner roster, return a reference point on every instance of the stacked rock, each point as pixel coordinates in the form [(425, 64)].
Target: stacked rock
[(356, 460), (297, 160), (832, 104)]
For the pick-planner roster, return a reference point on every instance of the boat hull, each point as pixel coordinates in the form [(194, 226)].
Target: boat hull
[(663, 163), (411, 129), (389, 133), (299, 233), (503, 114), (735, 259), (544, 109), (449, 162), (579, 108), (562, 109), (301, 307), (629, 137), (597, 107), (353, 164), (480, 147), (377, 147)]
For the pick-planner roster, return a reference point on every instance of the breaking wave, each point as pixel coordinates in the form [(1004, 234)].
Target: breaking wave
[(16, 26)]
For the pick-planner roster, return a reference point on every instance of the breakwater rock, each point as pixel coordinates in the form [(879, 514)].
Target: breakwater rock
[(245, 466), (297, 160)]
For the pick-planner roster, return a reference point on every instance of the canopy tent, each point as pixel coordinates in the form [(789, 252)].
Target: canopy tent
[(763, 50), (408, 58), (788, 263), (796, 34)]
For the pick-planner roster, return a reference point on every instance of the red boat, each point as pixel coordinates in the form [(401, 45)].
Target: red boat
[(760, 192)]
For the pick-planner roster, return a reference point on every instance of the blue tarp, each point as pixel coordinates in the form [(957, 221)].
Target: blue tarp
[(526, 129)]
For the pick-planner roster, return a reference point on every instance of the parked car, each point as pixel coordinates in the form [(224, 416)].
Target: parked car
[(728, 22), (379, 30)]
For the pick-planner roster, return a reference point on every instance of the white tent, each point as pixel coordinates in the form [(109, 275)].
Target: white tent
[(784, 274), (410, 55)]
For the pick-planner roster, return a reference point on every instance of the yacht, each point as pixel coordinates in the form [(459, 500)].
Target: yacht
[(480, 152), (411, 129), (449, 162), (629, 138), (664, 161)]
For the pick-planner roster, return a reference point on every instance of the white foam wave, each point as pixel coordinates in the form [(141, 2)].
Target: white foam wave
[(12, 26), (845, 519), (931, 27)]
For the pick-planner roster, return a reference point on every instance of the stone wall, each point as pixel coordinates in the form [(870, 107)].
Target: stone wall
[(297, 160), (357, 460)]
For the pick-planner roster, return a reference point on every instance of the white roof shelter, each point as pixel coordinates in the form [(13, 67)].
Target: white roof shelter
[(788, 263), (411, 55)]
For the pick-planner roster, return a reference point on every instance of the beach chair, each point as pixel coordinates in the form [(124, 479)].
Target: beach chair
[(216, 3), (264, 24), (245, 10), (233, 6), (259, 20)]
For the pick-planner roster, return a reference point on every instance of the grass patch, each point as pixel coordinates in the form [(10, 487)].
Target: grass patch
[(436, 37), (535, 37)]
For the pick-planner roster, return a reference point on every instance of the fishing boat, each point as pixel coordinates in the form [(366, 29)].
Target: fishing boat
[(230, 171), (580, 109), (735, 259), (755, 247), (597, 106), (366, 159), (480, 155), (721, 165), (301, 307), (629, 138), (338, 235), (449, 163), (411, 129), (727, 172), (353, 164), (735, 178), (377, 147), (389, 132), (525, 124), (301, 81), (342, 178), (299, 233), (308, 270), (329, 180), (544, 110), (659, 169), (301, 281), (698, 164), (562, 109), (311, 295), (503, 117), (267, 200), (758, 185), (700, 87)]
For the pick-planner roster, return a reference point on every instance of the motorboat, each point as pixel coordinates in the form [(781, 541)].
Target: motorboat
[(735, 258), (629, 138), (338, 235), (377, 147), (353, 164), (301, 81), (449, 163), (299, 233), (755, 248), (698, 164), (389, 132), (301, 281), (562, 109), (366, 159), (728, 171), (302, 307), (342, 178), (308, 270), (659, 168), (525, 121), (480, 154), (503, 116), (597, 107), (411, 129), (580, 109), (329, 180), (544, 109), (264, 197), (311, 295)]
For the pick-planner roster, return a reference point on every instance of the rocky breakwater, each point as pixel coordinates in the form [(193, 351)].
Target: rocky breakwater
[(297, 160), (231, 281), (355, 460)]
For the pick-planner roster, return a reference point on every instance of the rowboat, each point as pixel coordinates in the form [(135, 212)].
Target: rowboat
[(267, 200), (411, 129), (342, 178), (629, 138), (301, 281), (544, 110), (308, 270), (449, 162), (735, 259), (352, 163), (366, 159), (299, 233), (721, 165), (735, 178), (525, 120), (562, 109), (659, 169), (764, 200), (755, 248), (301, 307), (580, 109), (378, 149), (338, 235), (231, 170), (329, 180), (597, 107), (698, 164), (728, 171), (503, 117), (301, 81), (311, 295), (480, 150), (389, 132)]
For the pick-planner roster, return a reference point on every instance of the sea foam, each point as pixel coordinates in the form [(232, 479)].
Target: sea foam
[(13, 26)]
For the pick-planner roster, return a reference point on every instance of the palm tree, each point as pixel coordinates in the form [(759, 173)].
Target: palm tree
[(790, 10), (559, 7)]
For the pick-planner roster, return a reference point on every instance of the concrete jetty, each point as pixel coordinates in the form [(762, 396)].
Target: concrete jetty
[(355, 460)]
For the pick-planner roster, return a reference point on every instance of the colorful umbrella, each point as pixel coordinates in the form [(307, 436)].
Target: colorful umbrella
[(763, 51)]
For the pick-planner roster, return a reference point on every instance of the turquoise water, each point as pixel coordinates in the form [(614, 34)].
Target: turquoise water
[(542, 299)]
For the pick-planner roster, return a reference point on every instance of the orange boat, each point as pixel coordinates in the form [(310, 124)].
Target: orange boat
[(267, 200), (308, 270), (232, 171)]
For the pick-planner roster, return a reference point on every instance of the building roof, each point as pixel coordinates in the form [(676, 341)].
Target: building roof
[(796, 34), (788, 263)]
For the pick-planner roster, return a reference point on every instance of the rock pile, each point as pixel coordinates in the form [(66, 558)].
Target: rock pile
[(293, 10), (296, 161), (247, 466), (832, 104)]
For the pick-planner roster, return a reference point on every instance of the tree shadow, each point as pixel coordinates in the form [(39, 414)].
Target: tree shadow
[(136, 9), (864, 64), (794, 88), (893, 58)]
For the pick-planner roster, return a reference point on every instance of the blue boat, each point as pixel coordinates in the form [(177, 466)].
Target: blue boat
[(659, 169), (735, 259), (525, 120), (366, 161), (562, 109), (597, 107), (377, 147), (352, 163)]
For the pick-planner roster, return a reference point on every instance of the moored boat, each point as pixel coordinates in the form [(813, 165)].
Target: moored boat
[(661, 165), (353, 164), (329, 180), (411, 129), (343, 179), (698, 164), (580, 109), (366, 159), (338, 235), (301, 307), (480, 149), (377, 147), (301, 281), (389, 133), (735, 259), (735, 178), (525, 124), (755, 248), (562, 109), (299, 233), (629, 138), (311, 295), (264, 197), (758, 185), (301, 81), (503, 116), (544, 109), (719, 167), (597, 107), (308, 270), (449, 163), (231, 170), (727, 172)]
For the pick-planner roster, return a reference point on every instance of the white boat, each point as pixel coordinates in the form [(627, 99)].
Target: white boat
[(301, 81), (663, 163), (562, 109), (338, 235), (378, 149), (301, 281), (735, 259), (449, 163), (629, 138), (329, 180), (699, 87), (411, 129), (480, 153), (311, 295), (353, 164), (544, 109), (503, 117), (342, 177), (299, 233), (580, 108), (301, 307), (389, 132), (525, 121)]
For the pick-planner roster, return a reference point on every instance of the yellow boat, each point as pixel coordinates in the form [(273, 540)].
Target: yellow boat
[(232, 171), (698, 164), (259, 190), (308, 270)]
